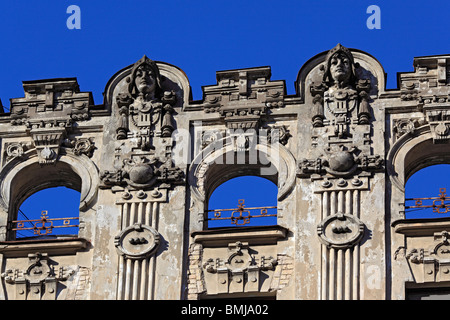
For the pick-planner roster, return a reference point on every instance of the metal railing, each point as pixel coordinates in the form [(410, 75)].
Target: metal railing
[(44, 225), (241, 215), (440, 204)]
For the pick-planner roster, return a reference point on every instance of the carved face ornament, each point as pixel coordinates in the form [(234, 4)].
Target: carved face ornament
[(340, 68), (145, 79)]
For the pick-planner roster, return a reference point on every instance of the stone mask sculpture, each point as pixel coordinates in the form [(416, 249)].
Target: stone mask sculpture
[(339, 67), (144, 80), (340, 93), (145, 104)]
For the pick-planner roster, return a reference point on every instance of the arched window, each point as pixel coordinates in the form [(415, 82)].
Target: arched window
[(23, 179), (427, 193), (51, 212), (243, 201)]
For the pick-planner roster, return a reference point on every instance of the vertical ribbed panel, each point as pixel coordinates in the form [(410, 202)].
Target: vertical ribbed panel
[(136, 278), (340, 267)]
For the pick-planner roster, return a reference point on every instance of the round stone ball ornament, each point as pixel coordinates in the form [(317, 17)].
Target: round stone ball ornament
[(137, 241)]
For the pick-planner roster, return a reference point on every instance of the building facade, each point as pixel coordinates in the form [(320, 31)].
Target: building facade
[(147, 160)]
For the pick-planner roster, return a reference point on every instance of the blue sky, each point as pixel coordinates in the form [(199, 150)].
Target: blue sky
[(202, 37), (427, 183)]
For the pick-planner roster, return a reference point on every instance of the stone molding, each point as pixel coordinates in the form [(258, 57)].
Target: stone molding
[(40, 279), (237, 260), (21, 248), (344, 150)]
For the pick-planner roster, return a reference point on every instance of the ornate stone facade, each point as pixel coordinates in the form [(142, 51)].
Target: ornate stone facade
[(147, 159)]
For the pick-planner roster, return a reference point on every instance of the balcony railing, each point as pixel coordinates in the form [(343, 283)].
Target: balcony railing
[(44, 225), (440, 204), (241, 215)]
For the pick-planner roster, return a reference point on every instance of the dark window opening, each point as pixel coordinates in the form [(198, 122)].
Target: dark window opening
[(428, 294)]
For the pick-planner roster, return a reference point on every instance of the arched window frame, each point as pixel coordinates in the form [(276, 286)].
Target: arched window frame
[(22, 178), (209, 170), (409, 154)]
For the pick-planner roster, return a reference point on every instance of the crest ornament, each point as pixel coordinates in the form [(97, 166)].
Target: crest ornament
[(340, 230), (138, 241)]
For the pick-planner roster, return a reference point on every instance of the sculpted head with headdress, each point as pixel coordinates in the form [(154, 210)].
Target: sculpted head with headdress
[(145, 79), (340, 67)]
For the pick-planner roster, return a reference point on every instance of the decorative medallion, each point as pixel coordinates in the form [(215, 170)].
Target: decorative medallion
[(38, 270), (138, 241), (340, 230), (15, 150)]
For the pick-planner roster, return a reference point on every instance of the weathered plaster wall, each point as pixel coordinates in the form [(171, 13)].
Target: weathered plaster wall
[(147, 159)]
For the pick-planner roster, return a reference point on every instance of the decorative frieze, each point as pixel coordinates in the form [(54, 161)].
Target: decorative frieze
[(323, 146), (141, 172), (242, 260), (431, 264), (53, 102), (243, 97), (340, 161), (239, 271), (39, 280)]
